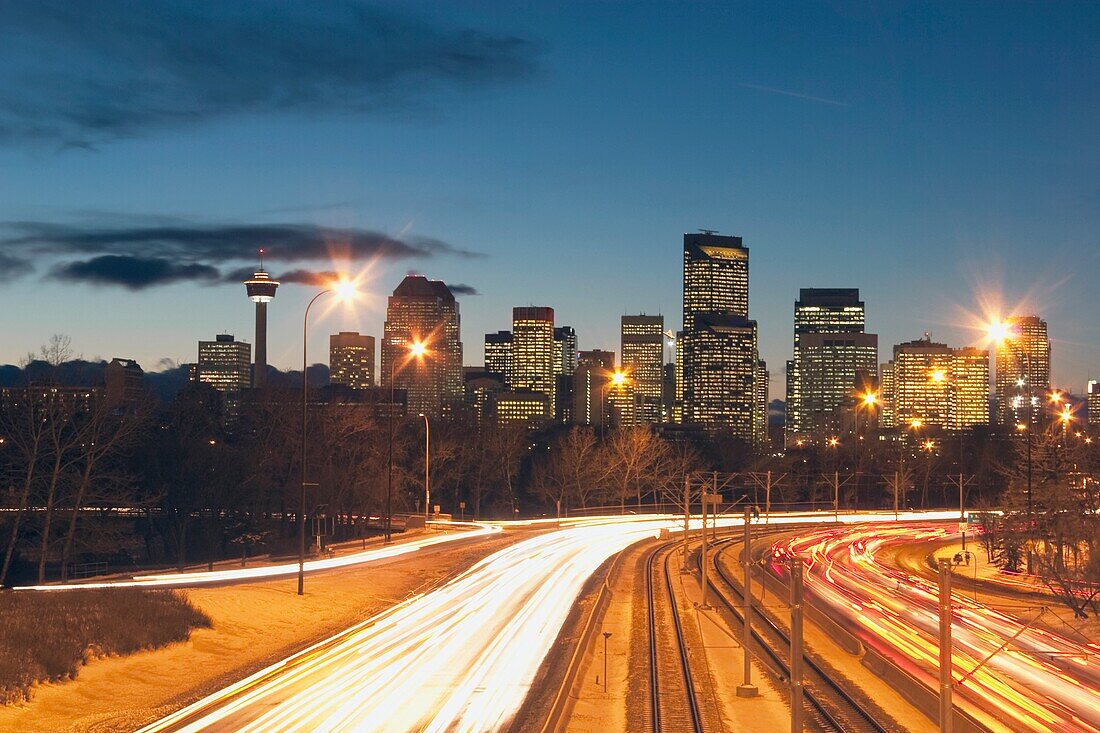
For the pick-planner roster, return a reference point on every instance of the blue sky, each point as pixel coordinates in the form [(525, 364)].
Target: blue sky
[(937, 156)]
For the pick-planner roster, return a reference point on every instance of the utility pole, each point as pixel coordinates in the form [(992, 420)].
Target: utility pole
[(687, 520), (768, 499), (747, 688), (945, 647), (703, 565), (836, 496), (796, 645), (961, 483), (606, 635), (897, 482)]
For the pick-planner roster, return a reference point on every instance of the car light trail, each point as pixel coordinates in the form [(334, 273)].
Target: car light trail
[(1041, 682), (459, 658), (264, 572)]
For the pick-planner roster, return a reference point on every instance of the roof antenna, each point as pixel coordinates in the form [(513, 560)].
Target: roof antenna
[(261, 259)]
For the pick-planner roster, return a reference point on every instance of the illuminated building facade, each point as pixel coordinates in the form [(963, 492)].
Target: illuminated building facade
[(351, 359), (760, 406), (521, 407), (225, 364), (424, 311), (642, 339), (824, 372), (719, 350), (969, 388), (261, 291), (498, 353), (533, 352), (1023, 358), (590, 380), (1093, 402)]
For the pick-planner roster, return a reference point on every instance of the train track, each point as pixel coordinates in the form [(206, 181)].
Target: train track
[(831, 707), (673, 703)]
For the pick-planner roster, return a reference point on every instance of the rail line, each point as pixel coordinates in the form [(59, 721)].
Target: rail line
[(830, 704), (668, 712)]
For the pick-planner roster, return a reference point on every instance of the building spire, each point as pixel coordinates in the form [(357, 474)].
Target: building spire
[(261, 259)]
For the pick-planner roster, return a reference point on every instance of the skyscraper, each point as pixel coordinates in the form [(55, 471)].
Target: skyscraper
[(969, 388), (498, 353), (719, 345), (642, 339), (351, 359), (125, 379), (760, 405), (424, 311), (225, 364), (590, 382), (565, 350), (1093, 402), (932, 385), (261, 291), (1021, 359), (533, 352), (832, 356)]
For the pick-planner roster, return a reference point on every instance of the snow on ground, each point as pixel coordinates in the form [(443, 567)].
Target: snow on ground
[(254, 625)]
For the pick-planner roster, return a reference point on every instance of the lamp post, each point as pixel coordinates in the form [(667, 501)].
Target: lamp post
[(618, 378), (346, 292), (427, 463), (416, 349)]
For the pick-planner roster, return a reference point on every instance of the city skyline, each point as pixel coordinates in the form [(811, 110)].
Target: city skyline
[(927, 182)]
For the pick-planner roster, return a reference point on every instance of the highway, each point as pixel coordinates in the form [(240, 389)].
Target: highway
[(228, 576), (1040, 682), (459, 658)]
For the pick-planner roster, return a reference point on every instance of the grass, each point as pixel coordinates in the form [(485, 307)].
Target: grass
[(47, 636)]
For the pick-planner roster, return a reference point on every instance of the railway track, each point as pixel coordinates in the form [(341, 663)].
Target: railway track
[(674, 707), (831, 707)]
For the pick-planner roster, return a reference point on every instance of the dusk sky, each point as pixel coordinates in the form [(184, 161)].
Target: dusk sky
[(939, 157)]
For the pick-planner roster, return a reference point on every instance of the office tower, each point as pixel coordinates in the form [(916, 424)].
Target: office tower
[(678, 373), (822, 375), (498, 353), (1093, 402), (351, 359), (828, 370), (261, 291), (921, 383), (719, 346), (480, 386), (423, 311), (760, 407), (642, 339), (969, 388), (533, 352), (590, 382), (887, 415), (124, 378), (565, 350), (225, 365), (1022, 358), (669, 404)]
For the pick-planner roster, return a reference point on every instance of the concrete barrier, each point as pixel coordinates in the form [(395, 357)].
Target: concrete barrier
[(918, 695)]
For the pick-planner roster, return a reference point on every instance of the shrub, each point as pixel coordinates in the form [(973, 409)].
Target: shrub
[(47, 636)]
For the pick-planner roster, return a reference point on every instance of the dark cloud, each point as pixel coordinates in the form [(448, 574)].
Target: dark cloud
[(134, 273), (463, 289), (80, 73), (12, 267), (215, 244), (308, 277)]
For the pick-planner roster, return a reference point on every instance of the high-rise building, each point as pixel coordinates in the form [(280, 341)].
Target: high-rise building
[(498, 353), (519, 407), (533, 352), (225, 364), (932, 385), (424, 311), (823, 373), (1022, 358), (969, 388), (1093, 402), (719, 348), (642, 339), (351, 359), (828, 369), (591, 380), (125, 379), (565, 350), (597, 357), (760, 405), (261, 291)]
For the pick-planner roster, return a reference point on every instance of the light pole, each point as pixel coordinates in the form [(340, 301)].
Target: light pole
[(346, 292), (416, 349), (427, 463), (618, 379)]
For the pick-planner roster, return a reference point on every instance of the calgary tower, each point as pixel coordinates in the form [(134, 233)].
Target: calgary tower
[(261, 291)]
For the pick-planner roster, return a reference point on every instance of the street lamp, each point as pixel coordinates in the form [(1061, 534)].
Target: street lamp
[(1001, 332), (346, 291), (618, 379), (427, 463), (416, 349)]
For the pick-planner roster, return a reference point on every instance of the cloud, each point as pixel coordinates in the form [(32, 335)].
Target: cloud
[(12, 267), (215, 244), (463, 289), (81, 73), (133, 273)]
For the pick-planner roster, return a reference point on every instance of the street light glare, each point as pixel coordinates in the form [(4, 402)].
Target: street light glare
[(938, 375), (418, 349), (870, 399), (618, 378), (1000, 331), (345, 290)]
